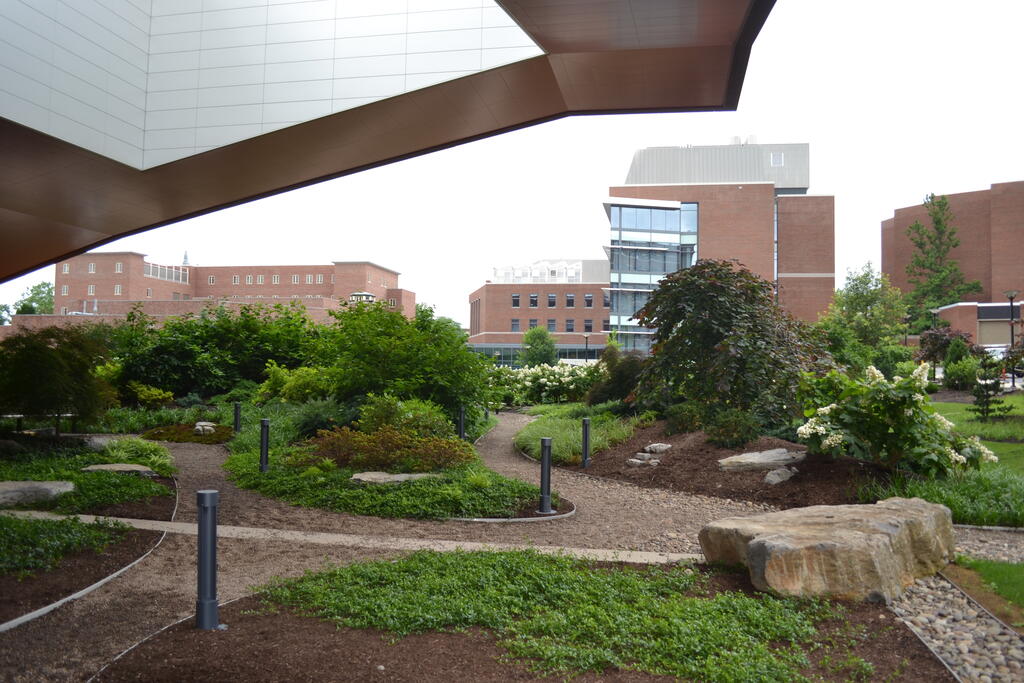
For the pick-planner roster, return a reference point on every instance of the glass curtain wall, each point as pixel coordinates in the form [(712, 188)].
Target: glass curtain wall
[(647, 243)]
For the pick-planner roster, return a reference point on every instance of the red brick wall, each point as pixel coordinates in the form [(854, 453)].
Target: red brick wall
[(963, 318), (806, 229), (494, 303), (1007, 234), (735, 221)]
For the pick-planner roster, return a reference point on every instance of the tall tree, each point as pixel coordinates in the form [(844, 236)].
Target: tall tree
[(869, 307), (36, 299), (5, 314), (934, 273), (538, 348)]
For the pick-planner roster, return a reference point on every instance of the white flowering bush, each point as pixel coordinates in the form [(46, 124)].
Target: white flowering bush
[(544, 383), (890, 423)]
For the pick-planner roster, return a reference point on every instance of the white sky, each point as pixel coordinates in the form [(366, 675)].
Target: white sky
[(897, 98)]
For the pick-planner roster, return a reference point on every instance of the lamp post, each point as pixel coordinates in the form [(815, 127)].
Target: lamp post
[(1011, 294), (586, 346)]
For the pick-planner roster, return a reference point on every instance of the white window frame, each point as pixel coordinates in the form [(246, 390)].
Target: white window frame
[(91, 268), (149, 292), (309, 278), (275, 279), (91, 291), (63, 290), (319, 278), (248, 279), (118, 267), (63, 310), (117, 290), (295, 279), (259, 279), (235, 279), (65, 268), (211, 280)]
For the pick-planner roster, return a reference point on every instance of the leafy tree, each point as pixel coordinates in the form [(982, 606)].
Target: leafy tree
[(935, 275), (36, 299), (722, 340), (538, 348), (869, 307), (5, 314), (934, 343), (987, 391), (48, 372)]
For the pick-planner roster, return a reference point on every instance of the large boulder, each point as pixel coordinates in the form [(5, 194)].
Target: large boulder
[(24, 492), (850, 551), (762, 460)]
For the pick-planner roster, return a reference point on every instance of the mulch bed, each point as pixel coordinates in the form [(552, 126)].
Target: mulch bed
[(75, 572), (288, 647), (84, 568), (692, 466)]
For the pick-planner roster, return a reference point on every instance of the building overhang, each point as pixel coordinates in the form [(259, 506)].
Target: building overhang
[(612, 56)]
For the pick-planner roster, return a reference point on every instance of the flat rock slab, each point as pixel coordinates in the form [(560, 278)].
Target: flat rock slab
[(121, 468), (762, 460), (849, 551), (23, 492), (657, 448), (98, 443), (385, 478)]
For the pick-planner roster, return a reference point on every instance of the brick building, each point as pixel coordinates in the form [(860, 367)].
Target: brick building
[(106, 286), (988, 224), (743, 202)]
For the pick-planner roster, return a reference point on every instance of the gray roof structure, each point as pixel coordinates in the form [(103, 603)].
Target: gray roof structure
[(786, 165)]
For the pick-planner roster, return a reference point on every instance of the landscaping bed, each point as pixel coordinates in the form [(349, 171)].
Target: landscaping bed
[(74, 572), (526, 620)]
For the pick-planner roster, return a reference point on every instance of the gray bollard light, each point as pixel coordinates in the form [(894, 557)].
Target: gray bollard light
[(462, 422), (264, 444), (238, 417), (586, 442), (207, 617), (545, 476)]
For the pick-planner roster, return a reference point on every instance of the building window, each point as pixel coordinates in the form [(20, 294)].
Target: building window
[(63, 290), (551, 325), (295, 279), (570, 300), (606, 300), (65, 268), (533, 301), (588, 301), (92, 268), (63, 310), (259, 279), (515, 301), (320, 280), (552, 300), (570, 325), (175, 296), (515, 324), (588, 325), (309, 279), (117, 290), (391, 302), (259, 296), (778, 159), (606, 325), (92, 290), (235, 279), (118, 267), (149, 292), (211, 280), (533, 323), (275, 279), (248, 279)]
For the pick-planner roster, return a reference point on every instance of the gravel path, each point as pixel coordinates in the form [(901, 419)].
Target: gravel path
[(1003, 546)]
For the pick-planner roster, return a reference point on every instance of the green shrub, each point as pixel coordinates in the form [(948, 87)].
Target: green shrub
[(888, 356), (621, 382), (242, 392), (904, 368), (411, 416), (189, 400), (391, 450), (682, 418), (152, 455), (297, 386), (149, 397), (960, 375), (312, 416), (28, 545), (957, 351), (731, 428)]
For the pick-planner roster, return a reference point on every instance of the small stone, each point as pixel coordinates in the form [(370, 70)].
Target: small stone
[(653, 462), (633, 462), (380, 667), (657, 448), (386, 478), (643, 456), (778, 476)]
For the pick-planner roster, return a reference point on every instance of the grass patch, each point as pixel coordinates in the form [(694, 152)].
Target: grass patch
[(566, 433), (29, 545), (1006, 579), (568, 616), (185, 433), (993, 495), (92, 489), (1011, 455), (468, 491), (137, 420)]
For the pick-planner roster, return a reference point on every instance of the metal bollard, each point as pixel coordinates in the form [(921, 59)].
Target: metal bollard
[(586, 442), (462, 422), (238, 417), (264, 444), (206, 603), (545, 476)]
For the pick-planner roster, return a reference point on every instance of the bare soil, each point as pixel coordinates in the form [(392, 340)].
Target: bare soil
[(691, 466), (286, 646)]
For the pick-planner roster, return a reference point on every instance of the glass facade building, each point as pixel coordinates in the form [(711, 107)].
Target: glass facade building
[(647, 243)]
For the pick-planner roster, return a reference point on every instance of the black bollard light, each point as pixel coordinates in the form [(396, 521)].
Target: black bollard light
[(462, 422), (238, 417), (264, 444), (206, 602), (586, 442), (545, 476)]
